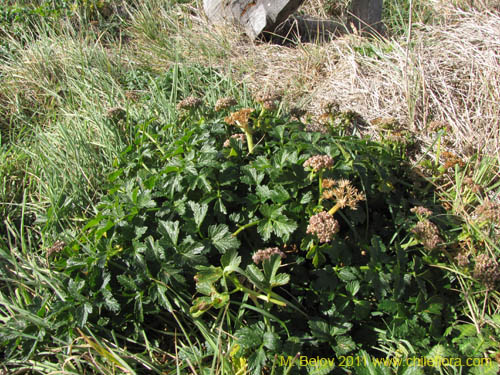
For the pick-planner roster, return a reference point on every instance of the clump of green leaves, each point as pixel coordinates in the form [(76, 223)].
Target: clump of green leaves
[(184, 215)]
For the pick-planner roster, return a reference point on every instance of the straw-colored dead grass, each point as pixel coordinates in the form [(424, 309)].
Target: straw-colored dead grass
[(448, 72)]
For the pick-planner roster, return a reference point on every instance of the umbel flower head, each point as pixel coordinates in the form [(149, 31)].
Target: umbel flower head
[(344, 193), (239, 118), (462, 259), (318, 162), (489, 211), (428, 234), (224, 103), (486, 270), (421, 211), (261, 255), (190, 102), (324, 226), (240, 137)]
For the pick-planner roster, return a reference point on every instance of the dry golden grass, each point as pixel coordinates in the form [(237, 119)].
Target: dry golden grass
[(446, 72)]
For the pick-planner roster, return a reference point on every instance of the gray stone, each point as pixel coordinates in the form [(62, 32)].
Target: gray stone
[(267, 16), (255, 16), (367, 15)]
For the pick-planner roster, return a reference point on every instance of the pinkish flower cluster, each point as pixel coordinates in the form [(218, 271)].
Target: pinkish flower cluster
[(428, 234), (489, 211), (190, 102), (462, 259), (263, 254), (224, 103), (486, 270), (324, 226), (318, 162), (421, 211), (240, 137)]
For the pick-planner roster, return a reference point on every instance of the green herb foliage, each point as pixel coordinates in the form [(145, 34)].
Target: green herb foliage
[(183, 216)]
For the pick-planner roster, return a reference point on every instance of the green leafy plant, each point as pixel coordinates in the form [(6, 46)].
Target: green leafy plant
[(333, 212)]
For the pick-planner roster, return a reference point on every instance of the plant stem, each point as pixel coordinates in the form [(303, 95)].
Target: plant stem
[(249, 141), (334, 209), (320, 187), (243, 227)]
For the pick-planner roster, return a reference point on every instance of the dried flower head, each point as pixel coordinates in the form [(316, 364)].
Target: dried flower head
[(116, 113), (263, 254), (486, 270), (435, 126), (428, 234), (190, 102), (262, 97), (318, 162), (224, 103), (56, 247), (450, 160), (239, 137), (239, 118), (132, 95), (324, 226), (421, 211), (327, 183), (489, 211), (462, 259), (344, 193)]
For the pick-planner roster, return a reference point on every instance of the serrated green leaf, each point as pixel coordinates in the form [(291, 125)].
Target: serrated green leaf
[(467, 330), (170, 229), (255, 275), (275, 222), (283, 227), (438, 351), (208, 274), (270, 267), (256, 361), (320, 329), (344, 345), (144, 200), (492, 368), (346, 274), (249, 337), (496, 319), (353, 287), (126, 282), (279, 195), (265, 229), (271, 341), (230, 260), (280, 279), (270, 211), (306, 198), (221, 238), (263, 192), (252, 176), (199, 212)]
